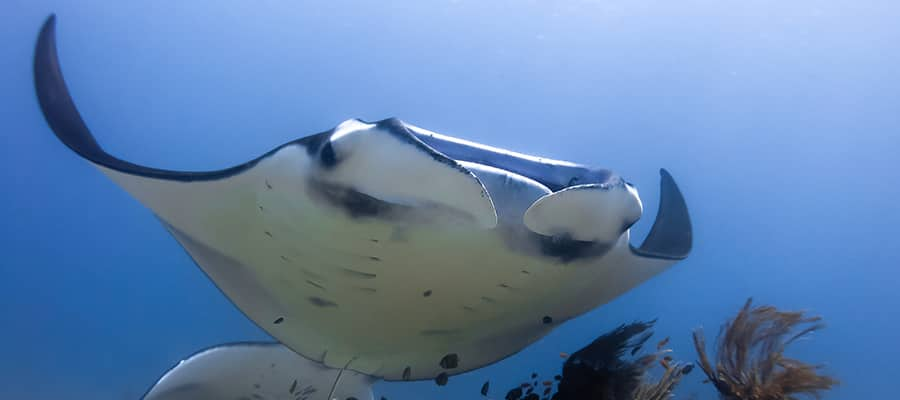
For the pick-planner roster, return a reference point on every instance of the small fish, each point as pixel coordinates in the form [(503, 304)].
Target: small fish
[(662, 343), (563, 355), (441, 379), (485, 388)]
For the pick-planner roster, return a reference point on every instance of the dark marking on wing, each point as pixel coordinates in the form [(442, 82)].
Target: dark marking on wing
[(358, 274), (439, 332), (269, 234), (311, 283), (327, 157), (566, 249), (278, 320), (373, 258), (505, 286), (449, 361), (320, 302)]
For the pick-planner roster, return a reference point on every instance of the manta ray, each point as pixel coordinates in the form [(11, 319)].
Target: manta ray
[(391, 250), (256, 370)]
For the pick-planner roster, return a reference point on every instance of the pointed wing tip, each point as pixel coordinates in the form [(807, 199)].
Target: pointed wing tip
[(671, 236)]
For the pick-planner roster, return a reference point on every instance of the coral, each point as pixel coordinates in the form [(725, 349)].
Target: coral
[(750, 363), (607, 369)]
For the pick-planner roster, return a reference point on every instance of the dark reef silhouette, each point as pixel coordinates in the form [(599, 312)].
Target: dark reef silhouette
[(749, 363)]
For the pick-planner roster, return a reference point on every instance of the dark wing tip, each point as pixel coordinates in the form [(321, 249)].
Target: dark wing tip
[(56, 103), (671, 236)]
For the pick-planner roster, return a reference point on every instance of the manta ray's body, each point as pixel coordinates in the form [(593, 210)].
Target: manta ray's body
[(392, 250), (254, 371)]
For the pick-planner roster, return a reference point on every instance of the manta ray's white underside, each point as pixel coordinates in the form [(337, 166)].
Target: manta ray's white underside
[(391, 250), (256, 371)]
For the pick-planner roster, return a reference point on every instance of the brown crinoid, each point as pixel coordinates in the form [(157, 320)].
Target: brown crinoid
[(750, 362)]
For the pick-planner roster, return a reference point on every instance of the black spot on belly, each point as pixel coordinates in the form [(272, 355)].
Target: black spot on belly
[(278, 320), (406, 373), (450, 361), (547, 320), (441, 379), (427, 293), (320, 302)]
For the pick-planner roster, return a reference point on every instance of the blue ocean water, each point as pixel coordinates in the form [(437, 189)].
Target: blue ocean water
[(778, 119)]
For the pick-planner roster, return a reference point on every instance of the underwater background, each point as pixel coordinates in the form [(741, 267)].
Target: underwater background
[(780, 120)]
